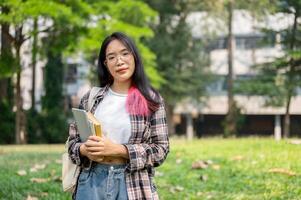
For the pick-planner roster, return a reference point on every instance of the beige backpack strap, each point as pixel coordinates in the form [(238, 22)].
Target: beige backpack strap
[(92, 94)]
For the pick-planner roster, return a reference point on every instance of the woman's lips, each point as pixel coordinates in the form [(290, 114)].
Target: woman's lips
[(121, 70)]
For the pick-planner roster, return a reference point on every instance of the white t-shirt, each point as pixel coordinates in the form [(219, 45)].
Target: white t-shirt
[(115, 121)]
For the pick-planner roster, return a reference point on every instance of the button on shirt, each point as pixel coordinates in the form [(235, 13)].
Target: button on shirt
[(115, 121)]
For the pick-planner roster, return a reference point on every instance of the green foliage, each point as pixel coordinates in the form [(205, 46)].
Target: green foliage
[(54, 126), (65, 23), (7, 116), (181, 59), (53, 82), (143, 15), (53, 120), (20, 11), (64, 19), (62, 36), (130, 17), (237, 117), (247, 178), (35, 132), (7, 125), (72, 26), (7, 65), (47, 127)]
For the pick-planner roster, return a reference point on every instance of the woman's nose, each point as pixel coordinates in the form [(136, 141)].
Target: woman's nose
[(119, 60)]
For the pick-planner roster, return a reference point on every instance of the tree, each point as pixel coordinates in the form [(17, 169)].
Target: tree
[(180, 58), (6, 96), (6, 58), (223, 10), (34, 61), (61, 37), (291, 61), (24, 12), (72, 26), (279, 80), (230, 123)]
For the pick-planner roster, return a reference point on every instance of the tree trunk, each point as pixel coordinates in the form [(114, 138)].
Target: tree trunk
[(34, 59), (3, 89), (170, 122), (21, 136), (18, 112), (277, 127), (189, 126), (230, 126), (287, 123), (5, 50)]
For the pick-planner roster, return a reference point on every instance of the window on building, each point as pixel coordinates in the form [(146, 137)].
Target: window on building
[(254, 41), (218, 86), (247, 42), (223, 82), (244, 42), (71, 73), (219, 43)]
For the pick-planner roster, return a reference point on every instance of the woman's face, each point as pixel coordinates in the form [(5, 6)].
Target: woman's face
[(119, 61)]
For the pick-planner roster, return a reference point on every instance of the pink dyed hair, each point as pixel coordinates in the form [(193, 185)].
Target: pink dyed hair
[(136, 104)]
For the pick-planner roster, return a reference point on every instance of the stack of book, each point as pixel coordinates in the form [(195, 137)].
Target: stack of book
[(87, 124), (94, 124)]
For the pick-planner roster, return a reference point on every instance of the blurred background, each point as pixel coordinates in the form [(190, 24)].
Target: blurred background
[(225, 68)]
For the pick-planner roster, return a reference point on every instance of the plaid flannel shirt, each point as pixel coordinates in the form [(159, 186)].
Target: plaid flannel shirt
[(148, 147)]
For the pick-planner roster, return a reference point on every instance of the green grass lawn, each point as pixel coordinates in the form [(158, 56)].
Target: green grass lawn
[(238, 169)]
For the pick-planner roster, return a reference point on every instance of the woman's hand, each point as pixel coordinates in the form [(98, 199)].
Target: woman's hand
[(98, 147), (84, 151)]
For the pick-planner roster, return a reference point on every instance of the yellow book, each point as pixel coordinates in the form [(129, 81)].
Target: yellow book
[(96, 123)]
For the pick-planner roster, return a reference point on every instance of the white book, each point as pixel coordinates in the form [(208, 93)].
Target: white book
[(83, 124)]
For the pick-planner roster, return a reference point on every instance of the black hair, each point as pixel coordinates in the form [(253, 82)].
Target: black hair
[(139, 78)]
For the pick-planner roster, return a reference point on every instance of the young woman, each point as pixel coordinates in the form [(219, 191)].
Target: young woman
[(133, 120)]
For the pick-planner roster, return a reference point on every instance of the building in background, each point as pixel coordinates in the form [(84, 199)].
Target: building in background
[(207, 118), (76, 81), (76, 73)]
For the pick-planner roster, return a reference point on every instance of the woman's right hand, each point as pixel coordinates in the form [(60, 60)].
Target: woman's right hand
[(84, 152)]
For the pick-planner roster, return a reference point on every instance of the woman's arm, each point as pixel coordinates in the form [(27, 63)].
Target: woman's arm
[(74, 144), (97, 147), (154, 153)]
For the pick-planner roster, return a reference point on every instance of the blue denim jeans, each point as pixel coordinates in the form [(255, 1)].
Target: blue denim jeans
[(102, 182)]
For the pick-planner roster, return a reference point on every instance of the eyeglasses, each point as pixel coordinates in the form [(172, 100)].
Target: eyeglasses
[(113, 57)]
